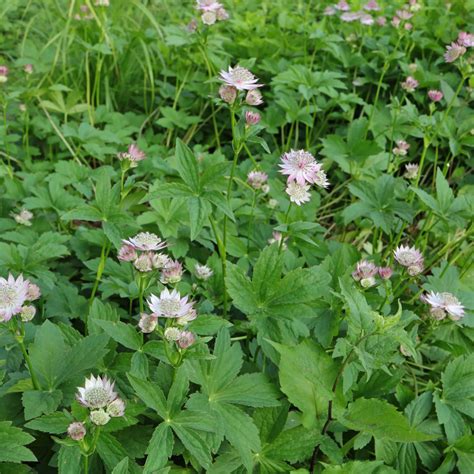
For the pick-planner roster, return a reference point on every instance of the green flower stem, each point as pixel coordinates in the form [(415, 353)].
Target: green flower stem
[(223, 256), (141, 290), (100, 269), (86, 464), (36, 384), (280, 245)]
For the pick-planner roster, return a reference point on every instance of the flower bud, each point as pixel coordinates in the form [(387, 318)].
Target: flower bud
[(228, 94), (147, 323), (254, 97), (76, 431), (172, 334), (33, 292), (99, 417), (116, 408), (27, 313), (385, 272), (186, 339), (252, 118), (127, 253)]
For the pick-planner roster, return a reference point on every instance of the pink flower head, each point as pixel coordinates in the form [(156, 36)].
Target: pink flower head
[(172, 272), (203, 272), (28, 68), (222, 14), (159, 260), (381, 20), (252, 118), (342, 6), (404, 14), (385, 272), (240, 78), (186, 339), (133, 155), (329, 11), (228, 94), (170, 304), (254, 97), (144, 262), (76, 431), (350, 16), (127, 253), (396, 21), (408, 26), (410, 84), (402, 148), (364, 273), (411, 258), (298, 193), (208, 5), (453, 52), (3, 74), (33, 292), (209, 18), (435, 95), (466, 39), (277, 238), (96, 393), (257, 179), (372, 5), (147, 323), (366, 19), (13, 294), (300, 166), (146, 241), (443, 304)]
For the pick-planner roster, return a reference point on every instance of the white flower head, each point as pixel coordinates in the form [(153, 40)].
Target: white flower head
[(443, 304), (409, 257), (172, 334), (146, 241), (170, 304), (99, 417), (240, 78), (298, 194), (13, 293), (97, 392), (116, 408), (203, 272)]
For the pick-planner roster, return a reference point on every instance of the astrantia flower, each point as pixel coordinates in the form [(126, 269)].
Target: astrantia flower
[(144, 263), (222, 14), (133, 155), (23, 217), (320, 179), (159, 260), (28, 68), (99, 417), (33, 292), (76, 431), (411, 171), (350, 16), (402, 148), (169, 304), (208, 5), (276, 238), (372, 5), (366, 19), (385, 273), (381, 20), (13, 294), (209, 18), (172, 334), (27, 313), (364, 273), (411, 258), (435, 95), (146, 241), (240, 78), (203, 272), (300, 166), (147, 323), (116, 408), (329, 11), (96, 393), (127, 253), (172, 272), (404, 14), (442, 303), (466, 39), (396, 21), (410, 84), (3, 74), (298, 193), (191, 315), (342, 6), (257, 179), (228, 94), (453, 52), (186, 339), (254, 97), (252, 118)]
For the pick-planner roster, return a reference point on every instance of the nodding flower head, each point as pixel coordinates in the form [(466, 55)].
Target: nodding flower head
[(97, 392), (402, 148), (171, 273), (228, 94), (411, 171), (385, 272), (466, 39), (252, 118), (186, 339), (127, 253), (453, 52), (133, 155), (147, 323), (76, 431), (254, 97), (240, 78)]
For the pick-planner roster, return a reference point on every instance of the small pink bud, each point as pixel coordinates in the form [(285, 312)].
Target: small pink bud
[(76, 431), (254, 97), (252, 118), (127, 253), (385, 272), (186, 339), (228, 94), (435, 95)]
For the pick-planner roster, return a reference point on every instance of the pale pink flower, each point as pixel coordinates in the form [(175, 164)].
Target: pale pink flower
[(320, 179), (254, 97), (411, 171), (192, 26), (298, 193), (27, 313), (385, 272), (402, 148), (404, 14), (364, 273), (146, 241), (228, 94), (116, 408), (329, 11), (127, 253), (466, 39), (4, 74), (159, 260), (396, 21), (23, 217), (28, 68), (191, 315), (453, 52), (349, 17), (408, 26), (203, 272), (147, 323), (277, 238), (442, 303), (381, 20), (240, 78), (252, 118), (76, 431), (144, 263), (96, 393), (209, 18), (172, 272), (300, 166), (33, 292), (411, 258), (257, 179), (13, 293), (435, 95), (133, 155), (169, 304), (342, 6), (222, 14), (186, 339), (372, 5), (208, 5), (366, 19), (410, 84)]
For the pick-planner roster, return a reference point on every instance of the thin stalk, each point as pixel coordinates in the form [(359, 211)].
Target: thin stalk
[(36, 384)]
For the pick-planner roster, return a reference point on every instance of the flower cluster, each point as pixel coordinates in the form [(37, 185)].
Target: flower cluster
[(203, 272), (99, 396), (258, 180), (362, 16), (212, 11), (84, 14), (366, 271), (444, 304), (411, 258), (132, 156), (302, 170), (459, 47), (402, 16), (23, 217), (410, 84), (14, 293), (411, 171), (238, 79), (402, 148)]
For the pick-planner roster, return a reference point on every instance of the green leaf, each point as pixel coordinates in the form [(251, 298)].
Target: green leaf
[(307, 375), (13, 441), (110, 450), (199, 210), (151, 395), (70, 460), (37, 403), (121, 467), (381, 420), (55, 423), (187, 167), (159, 448), (194, 442), (360, 467), (124, 334)]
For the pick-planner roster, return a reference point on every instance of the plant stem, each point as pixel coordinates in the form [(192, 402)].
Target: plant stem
[(100, 269), (223, 256), (36, 384), (86, 464)]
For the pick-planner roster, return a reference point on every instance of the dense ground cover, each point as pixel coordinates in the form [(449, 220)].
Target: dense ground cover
[(235, 237)]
